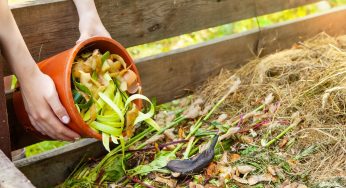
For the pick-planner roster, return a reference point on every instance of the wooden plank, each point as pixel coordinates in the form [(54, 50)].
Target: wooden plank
[(49, 28), (269, 6), (167, 74), (175, 74), (5, 141), (18, 154), (52, 167), (10, 176)]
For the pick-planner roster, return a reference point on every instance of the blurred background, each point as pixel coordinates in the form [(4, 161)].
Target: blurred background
[(189, 39)]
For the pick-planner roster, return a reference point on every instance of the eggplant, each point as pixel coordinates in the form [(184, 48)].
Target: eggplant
[(195, 165)]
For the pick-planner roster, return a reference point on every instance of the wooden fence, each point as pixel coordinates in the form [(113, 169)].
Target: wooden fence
[(52, 26)]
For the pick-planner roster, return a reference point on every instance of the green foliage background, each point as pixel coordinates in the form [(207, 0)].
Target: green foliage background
[(202, 36), (232, 28)]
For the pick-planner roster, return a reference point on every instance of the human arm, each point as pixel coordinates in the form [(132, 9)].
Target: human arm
[(40, 98)]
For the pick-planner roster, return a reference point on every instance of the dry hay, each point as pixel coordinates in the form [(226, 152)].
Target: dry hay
[(310, 79)]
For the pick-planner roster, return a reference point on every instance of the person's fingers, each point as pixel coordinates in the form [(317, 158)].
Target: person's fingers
[(59, 110), (54, 125), (45, 110), (54, 128), (38, 121), (83, 37), (62, 132), (34, 120), (92, 32), (47, 131), (54, 133), (42, 120), (104, 33), (38, 128)]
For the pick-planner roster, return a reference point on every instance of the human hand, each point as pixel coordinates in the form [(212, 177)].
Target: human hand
[(44, 108), (91, 27), (90, 23)]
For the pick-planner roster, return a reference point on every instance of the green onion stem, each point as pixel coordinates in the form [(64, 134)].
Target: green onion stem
[(189, 147), (199, 122), (293, 124), (137, 138)]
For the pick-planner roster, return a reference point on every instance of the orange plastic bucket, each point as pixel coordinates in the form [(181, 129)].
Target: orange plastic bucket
[(59, 68)]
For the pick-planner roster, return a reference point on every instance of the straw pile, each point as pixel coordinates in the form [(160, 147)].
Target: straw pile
[(310, 79)]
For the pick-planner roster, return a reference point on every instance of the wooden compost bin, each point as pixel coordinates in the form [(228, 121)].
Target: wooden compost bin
[(51, 26)]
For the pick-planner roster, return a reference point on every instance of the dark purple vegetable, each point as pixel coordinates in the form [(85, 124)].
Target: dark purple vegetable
[(195, 165)]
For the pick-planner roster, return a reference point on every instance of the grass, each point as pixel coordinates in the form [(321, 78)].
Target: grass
[(202, 36), (193, 38), (42, 147)]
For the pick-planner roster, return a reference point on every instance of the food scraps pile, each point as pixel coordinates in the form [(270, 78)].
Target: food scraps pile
[(279, 121), (102, 84)]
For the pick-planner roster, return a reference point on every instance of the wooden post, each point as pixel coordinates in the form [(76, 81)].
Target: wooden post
[(10, 176), (5, 141)]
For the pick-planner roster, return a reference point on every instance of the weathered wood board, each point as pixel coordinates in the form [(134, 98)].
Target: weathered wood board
[(5, 141), (10, 176), (54, 166), (51, 26)]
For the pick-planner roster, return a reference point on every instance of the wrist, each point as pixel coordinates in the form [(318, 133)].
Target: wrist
[(90, 25), (22, 63), (88, 13), (25, 67), (89, 19)]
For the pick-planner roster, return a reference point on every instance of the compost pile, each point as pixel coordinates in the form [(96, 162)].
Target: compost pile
[(279, 121)]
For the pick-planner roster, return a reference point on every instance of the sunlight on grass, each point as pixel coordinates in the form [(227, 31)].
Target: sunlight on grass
[(42, 147), (185, 40)]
